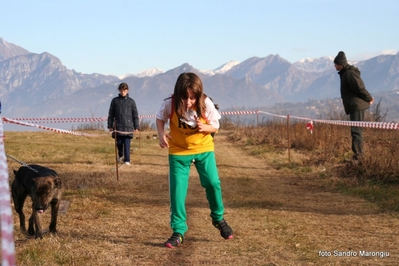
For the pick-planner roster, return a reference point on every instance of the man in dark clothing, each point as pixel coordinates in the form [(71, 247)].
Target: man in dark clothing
[(123, 112), (355, 98)]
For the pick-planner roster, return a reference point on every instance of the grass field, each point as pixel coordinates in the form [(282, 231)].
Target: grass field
[(280, 216)]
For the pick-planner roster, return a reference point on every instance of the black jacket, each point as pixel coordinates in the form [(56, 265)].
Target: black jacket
[(354, 95), (124, 111)]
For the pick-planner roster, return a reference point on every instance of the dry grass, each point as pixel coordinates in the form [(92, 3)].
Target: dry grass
[(280, 215), (375, 178)]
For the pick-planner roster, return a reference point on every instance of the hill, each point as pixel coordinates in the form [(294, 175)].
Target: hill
[(38, 85)]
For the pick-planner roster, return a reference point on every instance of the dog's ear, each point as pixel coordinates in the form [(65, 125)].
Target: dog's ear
[(15, 172), (33, 181), (58, 182)]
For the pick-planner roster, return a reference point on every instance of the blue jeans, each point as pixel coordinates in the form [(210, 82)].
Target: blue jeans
[(123, 144), (357, 133)]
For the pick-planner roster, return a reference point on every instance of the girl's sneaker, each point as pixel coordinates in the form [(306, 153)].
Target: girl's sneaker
[(175, 240), (225, 230)]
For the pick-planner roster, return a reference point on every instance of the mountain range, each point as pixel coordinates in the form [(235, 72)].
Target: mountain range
[(39, 85)]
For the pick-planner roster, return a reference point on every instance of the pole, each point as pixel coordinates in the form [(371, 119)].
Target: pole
[(288, 136), (139, 140), (116, 152), (140, 126)]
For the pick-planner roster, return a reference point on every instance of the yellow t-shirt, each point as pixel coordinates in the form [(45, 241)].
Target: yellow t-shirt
[(187, 139)]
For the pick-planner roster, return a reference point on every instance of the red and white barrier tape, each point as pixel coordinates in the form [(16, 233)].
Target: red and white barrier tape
[(124, 132), (8, 120), (60, 120), (380, 125), (239, 113), (147, 116), (279, 116), (71, 120), (12, 121), (7, 225), (102, 119)]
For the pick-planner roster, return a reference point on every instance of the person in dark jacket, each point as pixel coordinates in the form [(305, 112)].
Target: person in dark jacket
[(355, 98), (123, 112)]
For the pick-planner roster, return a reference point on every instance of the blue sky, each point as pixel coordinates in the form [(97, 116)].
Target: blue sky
[(128, 36)]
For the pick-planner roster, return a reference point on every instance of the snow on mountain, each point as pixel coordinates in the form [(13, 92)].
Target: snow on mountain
[(150, 72), (222, 69), (315, 64), (146, 73), (226, 67)]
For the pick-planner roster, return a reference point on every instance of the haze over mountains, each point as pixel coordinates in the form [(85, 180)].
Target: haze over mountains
[(38, 85)]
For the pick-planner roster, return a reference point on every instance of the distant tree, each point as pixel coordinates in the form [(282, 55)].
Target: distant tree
[(376, 113)]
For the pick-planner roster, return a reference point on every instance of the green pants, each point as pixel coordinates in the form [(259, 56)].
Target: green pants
[(179, 171)]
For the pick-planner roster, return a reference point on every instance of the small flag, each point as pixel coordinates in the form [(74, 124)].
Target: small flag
[(309, 126)]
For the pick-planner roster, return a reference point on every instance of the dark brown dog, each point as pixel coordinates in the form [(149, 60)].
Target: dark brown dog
[(44, 187)]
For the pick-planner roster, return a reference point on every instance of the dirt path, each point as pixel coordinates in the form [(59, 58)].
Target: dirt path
[(288, 220)]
